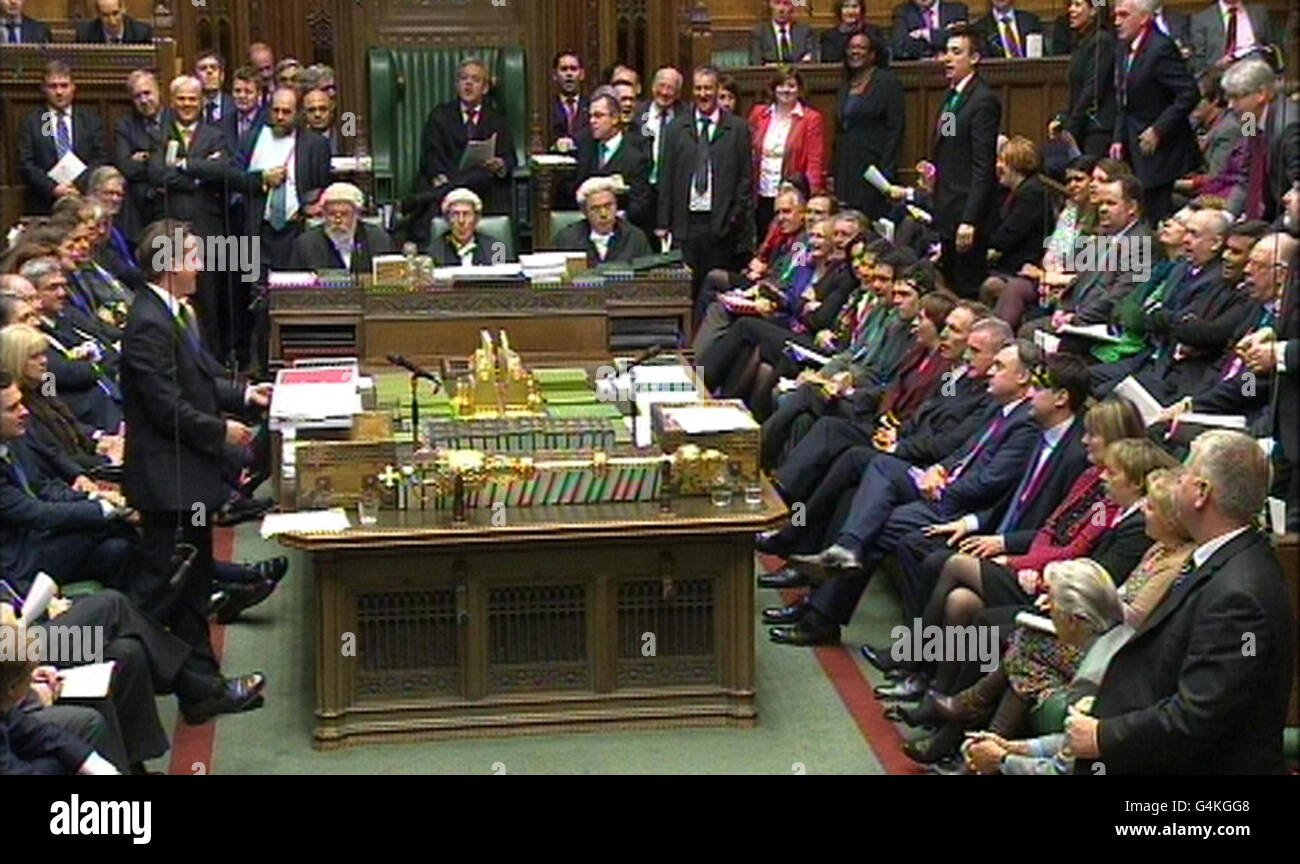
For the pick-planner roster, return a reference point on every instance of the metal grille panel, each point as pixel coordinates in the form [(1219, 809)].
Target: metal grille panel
[(407, 642), (683, 626), (537, 638)]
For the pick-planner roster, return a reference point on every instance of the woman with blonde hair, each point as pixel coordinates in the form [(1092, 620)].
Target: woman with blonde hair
[(53, 425)]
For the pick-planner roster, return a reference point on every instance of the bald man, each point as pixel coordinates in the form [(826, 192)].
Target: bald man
[(112, 26)]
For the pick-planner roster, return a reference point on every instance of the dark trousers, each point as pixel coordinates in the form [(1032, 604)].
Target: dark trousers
[(826, 508), (702, 250), (764, 210), (83, 721), (837, 598), (105, 557), (829, 438), (1157, 201), (965, 271), (1019, 295), (186, 612)]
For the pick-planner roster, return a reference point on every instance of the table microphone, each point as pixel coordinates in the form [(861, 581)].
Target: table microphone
[(417, 371)]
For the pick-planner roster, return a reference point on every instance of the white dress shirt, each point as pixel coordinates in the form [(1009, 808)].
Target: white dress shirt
[(1202, 553), (702, 202)]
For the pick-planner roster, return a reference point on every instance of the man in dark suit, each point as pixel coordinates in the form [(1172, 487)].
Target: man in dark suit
[(569, 110), (781, 39), (921, 27), (602, 234), (15, 27), (1251, 88), (191, 171), (1009, 525), (48, 133), (135, 138), (1005, 29), (249, 112), (1202, 686), (447, 131), (650, 121), (1156, 94), (345, 241), (704, 186), (606, 149), (895, 498), (962, 172), (284, 171), (318, 116), (1227, 30), (210, 69), (176, 439), (114, 27)]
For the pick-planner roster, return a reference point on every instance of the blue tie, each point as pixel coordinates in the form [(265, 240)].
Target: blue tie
[(62, 136)]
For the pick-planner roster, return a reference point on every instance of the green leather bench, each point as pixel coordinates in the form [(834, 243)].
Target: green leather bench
[(407, 83), (561, 219)]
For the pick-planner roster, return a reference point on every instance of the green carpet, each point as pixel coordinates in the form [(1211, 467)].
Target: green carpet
[(801, 717)]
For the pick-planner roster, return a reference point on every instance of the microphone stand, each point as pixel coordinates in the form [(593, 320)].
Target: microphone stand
[(415, 411)]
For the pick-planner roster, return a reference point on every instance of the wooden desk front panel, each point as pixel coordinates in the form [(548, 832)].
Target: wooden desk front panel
[(536, 337)]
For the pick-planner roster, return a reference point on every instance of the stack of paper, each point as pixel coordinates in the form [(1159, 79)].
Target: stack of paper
[(306, 522), (316, 394), (550, 266)]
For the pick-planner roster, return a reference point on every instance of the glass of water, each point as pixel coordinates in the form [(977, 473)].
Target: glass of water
[(721, 492), (754, 491)]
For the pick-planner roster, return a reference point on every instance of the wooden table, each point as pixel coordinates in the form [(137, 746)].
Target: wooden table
[(565, 618), (547, 324)]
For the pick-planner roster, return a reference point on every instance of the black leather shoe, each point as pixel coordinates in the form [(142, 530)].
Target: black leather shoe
[(791, 614), (951, 766), (928, 751), (237, 694), (812, 630), (239, 597), (272, 568), (881, 659), (910, 689), (771, 543), (923, 714), (239, 510), (786, 577)]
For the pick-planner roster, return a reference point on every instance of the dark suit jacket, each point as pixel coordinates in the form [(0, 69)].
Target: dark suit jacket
[(1023, 221), (632, 162), (560, 119), (1208, 36), (311, 167), (1026, 23), (762, 43), (174, 395), (908, 17), (30, 521), (443, 144), (133, 31), (944, 421), (199, 192), (868, 131), (997, 467), (230, 126), (79, 380), (965, 189), (1121, 548), (32, 746), (1067, 461), (729, 154), (1160, 92), (1178, 25), (629, 242), (1094, 295), (33, 31), (131, 135), (37, 153), (1183, 696), (314, 251), (1092, 90)]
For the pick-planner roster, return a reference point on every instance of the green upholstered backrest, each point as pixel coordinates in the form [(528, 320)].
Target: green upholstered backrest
[(407, 83), (496, 227), (1049, 716), (561, 219), (730, 58)]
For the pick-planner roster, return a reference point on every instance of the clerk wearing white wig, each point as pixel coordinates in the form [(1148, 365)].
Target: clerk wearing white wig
[(604, 235), (461, 245), (344, 241)]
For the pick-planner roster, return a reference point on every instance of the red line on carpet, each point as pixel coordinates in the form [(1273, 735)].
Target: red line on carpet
[(193, 745), (854, 690)]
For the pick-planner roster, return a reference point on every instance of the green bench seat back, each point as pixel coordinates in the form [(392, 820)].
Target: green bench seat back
[(496, 227), (561, 219)]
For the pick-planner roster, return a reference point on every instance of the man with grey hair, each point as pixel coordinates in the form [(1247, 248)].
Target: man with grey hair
[(654, 117), (447, 132), (344, 241), (135, 137), (1250, 86), (1202, 686), (608, 149), (603, 234), (1155, 93)]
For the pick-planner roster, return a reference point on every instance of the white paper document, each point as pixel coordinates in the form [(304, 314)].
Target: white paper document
[(803, 352), (67, 169), (1096, 332), (1036, 622), (332, 521), (39, 597), (553, 160), (86, 682), (1146, 404), (1049, 343), (478, 152), (873, 176), (707, 420), (1218, 421)]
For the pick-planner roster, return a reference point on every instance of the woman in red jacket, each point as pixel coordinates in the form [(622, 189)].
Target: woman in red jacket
[(789, 141)]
